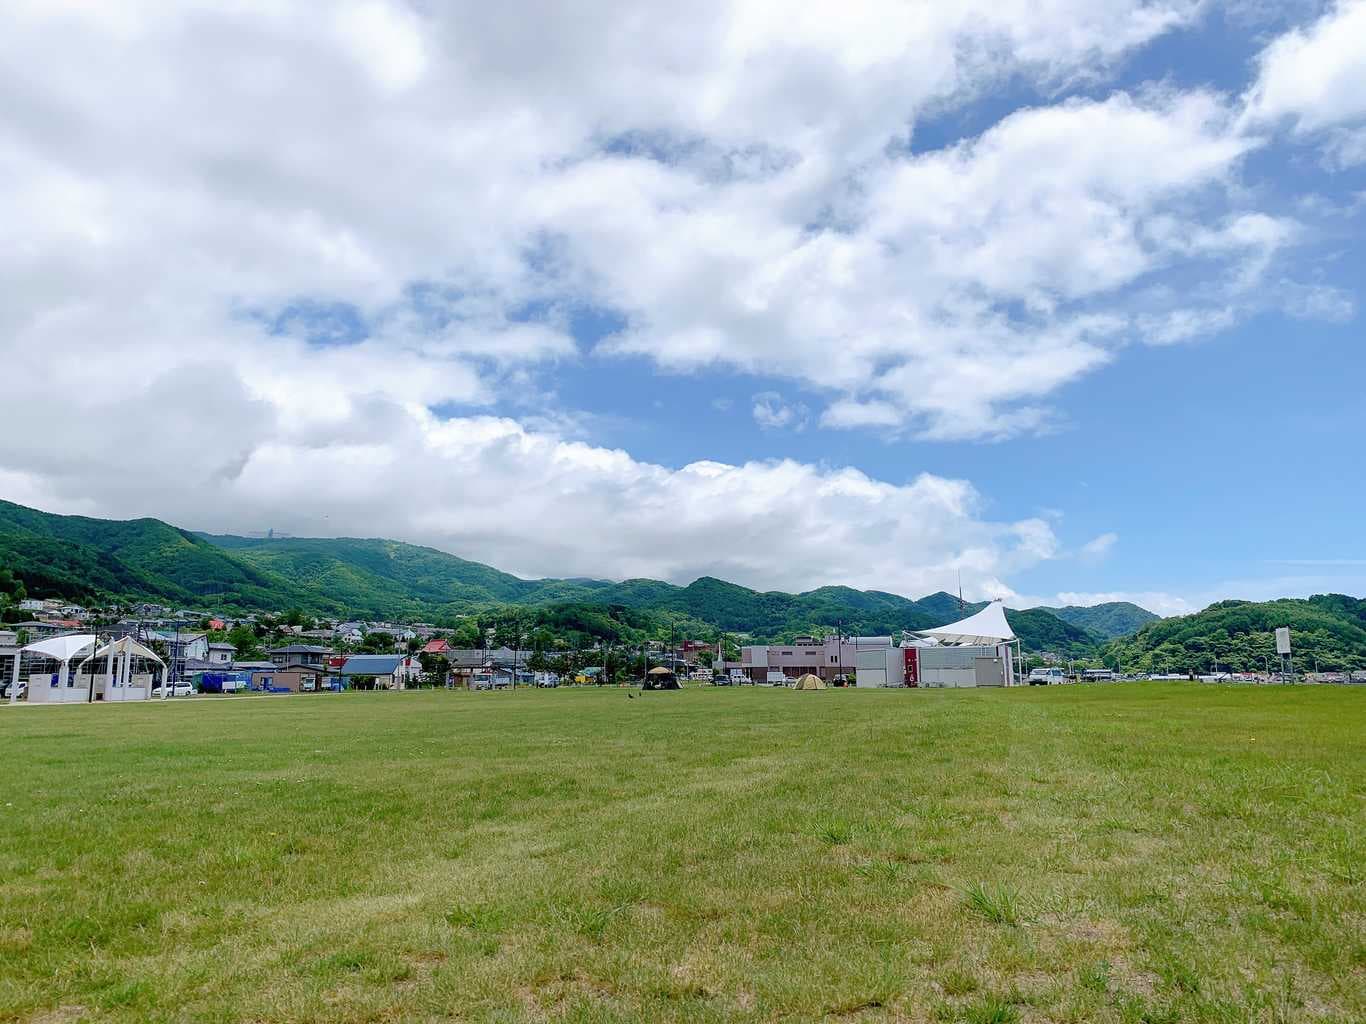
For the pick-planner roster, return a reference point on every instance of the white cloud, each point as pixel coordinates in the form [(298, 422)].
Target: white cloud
[(248, 246), (1098, 548), (531, 503), (1315, 76), (772, 413), (442, 169)]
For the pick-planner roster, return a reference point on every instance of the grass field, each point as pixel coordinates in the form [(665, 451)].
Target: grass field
[(1158, 852)]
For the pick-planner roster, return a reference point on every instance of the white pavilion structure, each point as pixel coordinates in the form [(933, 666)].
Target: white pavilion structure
[(129, 670), (981, 650)]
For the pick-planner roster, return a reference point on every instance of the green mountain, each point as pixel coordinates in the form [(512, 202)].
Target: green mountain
[(81, 558), (1108, 621), (146, 559), (1240, 636)]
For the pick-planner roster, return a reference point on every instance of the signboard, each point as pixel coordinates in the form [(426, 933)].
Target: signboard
[(1283, 640), (912, 665)]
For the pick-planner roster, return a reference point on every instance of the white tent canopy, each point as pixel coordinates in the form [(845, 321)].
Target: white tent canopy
[(987, 627), (61, 648), (124, 645)]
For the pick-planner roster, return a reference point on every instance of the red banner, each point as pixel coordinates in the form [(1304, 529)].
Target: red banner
[(912, 665)]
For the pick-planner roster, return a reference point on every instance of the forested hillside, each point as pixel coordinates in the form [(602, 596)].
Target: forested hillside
[(145, 559), (1108, 621), (81, 558), (1240, 636)]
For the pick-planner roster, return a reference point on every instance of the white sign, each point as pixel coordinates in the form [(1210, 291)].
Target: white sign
[(1283, 640)]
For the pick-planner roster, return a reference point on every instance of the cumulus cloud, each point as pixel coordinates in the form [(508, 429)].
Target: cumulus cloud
[(529, 502), (721, 179), (1315, 76), (250, 247)]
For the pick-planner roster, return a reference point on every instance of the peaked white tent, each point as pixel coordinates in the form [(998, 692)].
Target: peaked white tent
[(985, 637), (125, 645), (60, 649), (985, 628)]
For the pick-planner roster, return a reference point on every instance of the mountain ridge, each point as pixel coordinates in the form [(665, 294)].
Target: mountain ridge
[(147, 559)]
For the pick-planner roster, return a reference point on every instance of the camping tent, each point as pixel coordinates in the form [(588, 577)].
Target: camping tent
[(809, 682), (660, 678)]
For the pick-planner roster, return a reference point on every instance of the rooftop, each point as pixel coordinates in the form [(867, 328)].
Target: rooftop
[(371, 664)]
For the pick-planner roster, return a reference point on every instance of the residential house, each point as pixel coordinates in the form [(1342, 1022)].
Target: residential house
[(376, 671), (466, 662), (293, 680), (182, 646), (300, 656), (221, 652), (39, 629)]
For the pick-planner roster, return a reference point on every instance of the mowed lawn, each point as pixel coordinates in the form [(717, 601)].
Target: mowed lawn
[(1146, 852)]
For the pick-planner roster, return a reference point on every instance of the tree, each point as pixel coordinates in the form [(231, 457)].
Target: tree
[(244, 638), (377, 643), (433, 666)]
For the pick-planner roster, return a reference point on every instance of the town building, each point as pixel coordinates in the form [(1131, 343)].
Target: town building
[(375, 672), (827, 659), (220, 653), (289, 680), (300, 656)]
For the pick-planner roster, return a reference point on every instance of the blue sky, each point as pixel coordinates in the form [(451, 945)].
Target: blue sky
[(1062, 301)]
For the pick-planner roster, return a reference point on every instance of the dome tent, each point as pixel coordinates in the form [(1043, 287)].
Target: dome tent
[(660, 678), (809, 681)]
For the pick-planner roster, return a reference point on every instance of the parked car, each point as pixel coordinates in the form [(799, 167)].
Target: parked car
[(177, 690), (20, 691)]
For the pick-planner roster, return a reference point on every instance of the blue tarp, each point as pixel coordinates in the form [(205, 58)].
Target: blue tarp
[(224, 682)]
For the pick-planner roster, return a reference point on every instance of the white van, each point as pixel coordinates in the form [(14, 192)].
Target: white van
[(1044, 676)]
